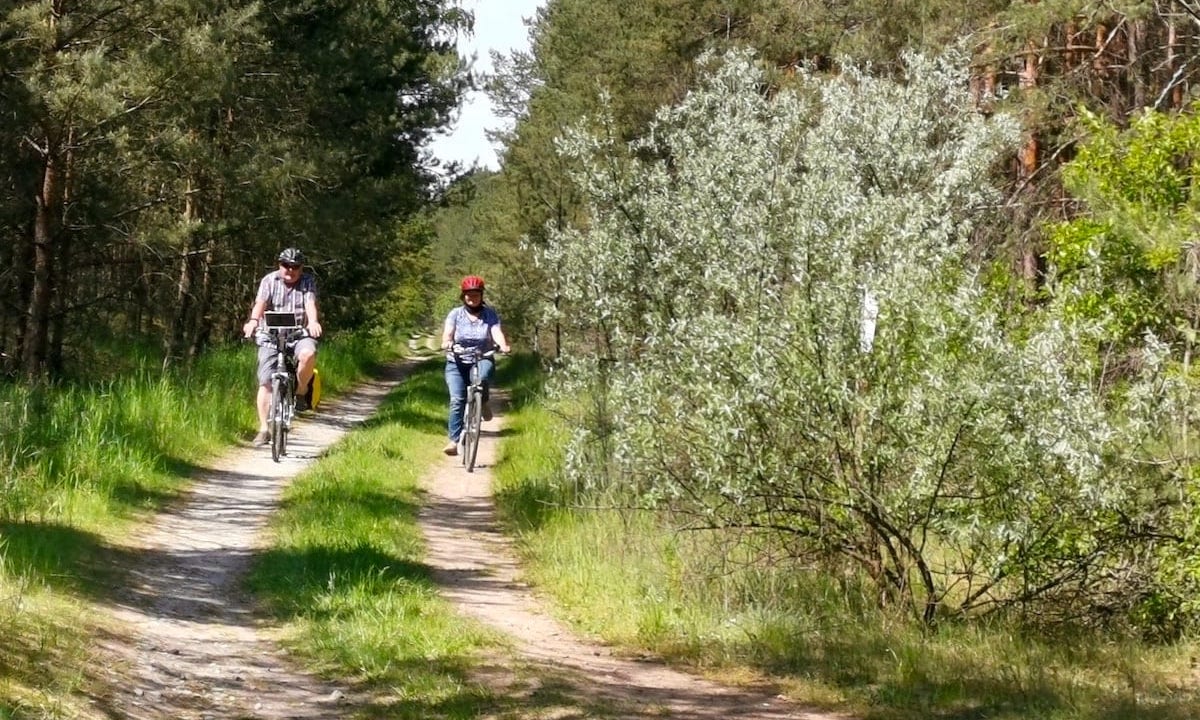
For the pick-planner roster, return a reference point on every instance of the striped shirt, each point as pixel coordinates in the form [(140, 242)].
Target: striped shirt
[(279, 296)]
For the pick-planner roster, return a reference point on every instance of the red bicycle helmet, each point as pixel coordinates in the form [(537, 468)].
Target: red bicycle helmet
[(472, 282)]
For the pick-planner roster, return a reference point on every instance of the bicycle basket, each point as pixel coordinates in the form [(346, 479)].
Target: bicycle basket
[(280, 320)]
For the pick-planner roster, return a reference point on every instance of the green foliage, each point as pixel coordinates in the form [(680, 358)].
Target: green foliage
[(1129, 260), (781, 328), (735, 604), (175, 147)]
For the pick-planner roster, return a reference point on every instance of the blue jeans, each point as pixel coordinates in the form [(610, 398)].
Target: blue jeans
[(458, 376)]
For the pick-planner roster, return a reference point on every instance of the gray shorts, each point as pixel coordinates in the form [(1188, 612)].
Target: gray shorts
[(266, 358)]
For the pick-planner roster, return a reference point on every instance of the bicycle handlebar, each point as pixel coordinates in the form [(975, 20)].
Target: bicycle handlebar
[(298, 333), (290, 335), (461, 351)]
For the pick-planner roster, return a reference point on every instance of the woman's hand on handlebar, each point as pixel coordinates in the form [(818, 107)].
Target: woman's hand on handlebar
[(464, 351)]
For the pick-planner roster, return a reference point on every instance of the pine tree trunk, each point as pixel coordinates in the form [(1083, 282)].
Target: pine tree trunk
[(60, 277), (201, 325), (1137, 79), (1028, 168), (37, 317), (1176, 92), (1098, 68), (177, 332)]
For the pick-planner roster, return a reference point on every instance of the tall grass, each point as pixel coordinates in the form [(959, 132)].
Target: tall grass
[(86, 455), (80, 464), (704, 600), (40, 666)]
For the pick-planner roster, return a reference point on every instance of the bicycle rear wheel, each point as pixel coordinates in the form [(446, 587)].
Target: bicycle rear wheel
[(474, 420), (275, 420)]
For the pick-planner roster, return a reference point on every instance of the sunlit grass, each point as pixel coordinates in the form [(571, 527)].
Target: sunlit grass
[(345, 572), (95, 456), (695, 599), (45, 652), (83, 465)]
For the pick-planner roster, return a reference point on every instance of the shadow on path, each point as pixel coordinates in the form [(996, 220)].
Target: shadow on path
[(197, 650)]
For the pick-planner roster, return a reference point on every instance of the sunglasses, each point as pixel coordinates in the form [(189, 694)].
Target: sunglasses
[(290, 266)]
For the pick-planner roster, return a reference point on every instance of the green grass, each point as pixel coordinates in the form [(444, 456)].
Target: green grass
[(345, 573), (83, 465), (44, 652), (346, 581), (625, 576)]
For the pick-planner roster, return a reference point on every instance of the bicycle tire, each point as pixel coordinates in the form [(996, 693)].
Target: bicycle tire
[(289, 413), (464, 437), (474, 420), (275, 420)]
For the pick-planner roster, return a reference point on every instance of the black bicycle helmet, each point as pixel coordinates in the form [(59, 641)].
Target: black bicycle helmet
[(291, 256)]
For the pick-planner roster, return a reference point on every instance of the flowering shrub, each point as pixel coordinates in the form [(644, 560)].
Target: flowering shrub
[(780, 330)]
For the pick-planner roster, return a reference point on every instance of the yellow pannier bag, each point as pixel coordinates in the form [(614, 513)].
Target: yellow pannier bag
[(314, 390)]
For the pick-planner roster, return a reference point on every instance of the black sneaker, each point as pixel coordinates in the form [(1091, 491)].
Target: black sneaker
[(302, 403)]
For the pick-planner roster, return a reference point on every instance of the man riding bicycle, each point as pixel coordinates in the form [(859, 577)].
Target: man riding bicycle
[(288, 288)]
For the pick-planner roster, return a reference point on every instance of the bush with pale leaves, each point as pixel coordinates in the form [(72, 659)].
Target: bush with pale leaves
[(780, 330)]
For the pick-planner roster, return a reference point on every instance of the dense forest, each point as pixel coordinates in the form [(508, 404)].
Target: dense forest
[(158, 155), (1047, 63), (1003, 192), (727, 193)]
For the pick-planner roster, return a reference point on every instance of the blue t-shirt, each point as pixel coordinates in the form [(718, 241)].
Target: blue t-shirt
[(472, 330)]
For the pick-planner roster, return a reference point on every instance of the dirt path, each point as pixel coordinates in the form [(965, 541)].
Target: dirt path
[(195, 651), (477, 569)]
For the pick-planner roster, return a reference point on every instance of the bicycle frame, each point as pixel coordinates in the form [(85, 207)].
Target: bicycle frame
[(284, 332), (473, 405)]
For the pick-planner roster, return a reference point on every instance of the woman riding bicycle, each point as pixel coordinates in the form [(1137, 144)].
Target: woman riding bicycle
[(473, 325), (288, 288)]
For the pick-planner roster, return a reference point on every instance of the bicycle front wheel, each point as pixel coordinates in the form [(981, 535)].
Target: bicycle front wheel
[(474, 421), (288, 404), (464, 439), (277, 423)]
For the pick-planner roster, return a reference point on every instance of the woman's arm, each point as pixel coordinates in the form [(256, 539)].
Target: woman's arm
[(448, 332), (498, 337)]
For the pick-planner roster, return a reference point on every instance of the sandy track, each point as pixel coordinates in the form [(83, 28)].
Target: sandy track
[(194, 650)]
